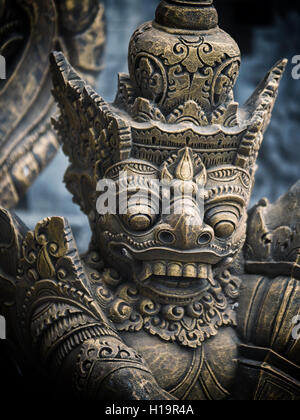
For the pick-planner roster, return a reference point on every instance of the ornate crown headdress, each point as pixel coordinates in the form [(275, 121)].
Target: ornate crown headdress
[(179, 94)]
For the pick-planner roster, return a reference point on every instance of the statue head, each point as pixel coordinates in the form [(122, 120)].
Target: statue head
[(175, 155)]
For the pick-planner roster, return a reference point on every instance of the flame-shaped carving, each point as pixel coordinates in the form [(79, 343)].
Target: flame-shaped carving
[(185, 168)]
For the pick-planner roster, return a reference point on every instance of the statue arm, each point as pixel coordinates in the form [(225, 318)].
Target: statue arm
[(270, 301), (87, 357), (269, 351)]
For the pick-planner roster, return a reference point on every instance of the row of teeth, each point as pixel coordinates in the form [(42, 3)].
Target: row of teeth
[(175, 269)]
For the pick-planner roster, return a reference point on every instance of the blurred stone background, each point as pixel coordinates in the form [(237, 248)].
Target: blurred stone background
[(266, 32)]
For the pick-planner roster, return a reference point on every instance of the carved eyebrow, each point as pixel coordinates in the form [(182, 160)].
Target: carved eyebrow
[(225, 192), (225, 207)]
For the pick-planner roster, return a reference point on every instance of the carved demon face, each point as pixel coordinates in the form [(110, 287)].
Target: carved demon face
[(173, 224), (176, 155)]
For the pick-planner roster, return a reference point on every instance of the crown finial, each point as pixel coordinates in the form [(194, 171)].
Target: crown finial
[(183, 58), (187, 14)]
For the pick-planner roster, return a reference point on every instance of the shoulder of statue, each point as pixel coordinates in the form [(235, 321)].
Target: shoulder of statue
[(44, 268), (50, 252)]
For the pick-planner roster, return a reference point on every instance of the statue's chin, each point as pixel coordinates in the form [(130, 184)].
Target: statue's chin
[(173, 282)]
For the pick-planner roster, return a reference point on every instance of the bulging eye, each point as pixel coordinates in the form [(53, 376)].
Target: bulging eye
[(224, 229), (223, 219), (139, 222), (139, 218)]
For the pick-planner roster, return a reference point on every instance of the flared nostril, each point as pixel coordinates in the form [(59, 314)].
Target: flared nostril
[(166, 237), (205, 238)]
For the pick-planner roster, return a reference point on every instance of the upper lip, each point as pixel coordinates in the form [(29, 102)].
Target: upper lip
[(204, 256)]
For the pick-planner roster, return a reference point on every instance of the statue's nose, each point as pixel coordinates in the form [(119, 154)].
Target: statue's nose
[(186, 230)]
